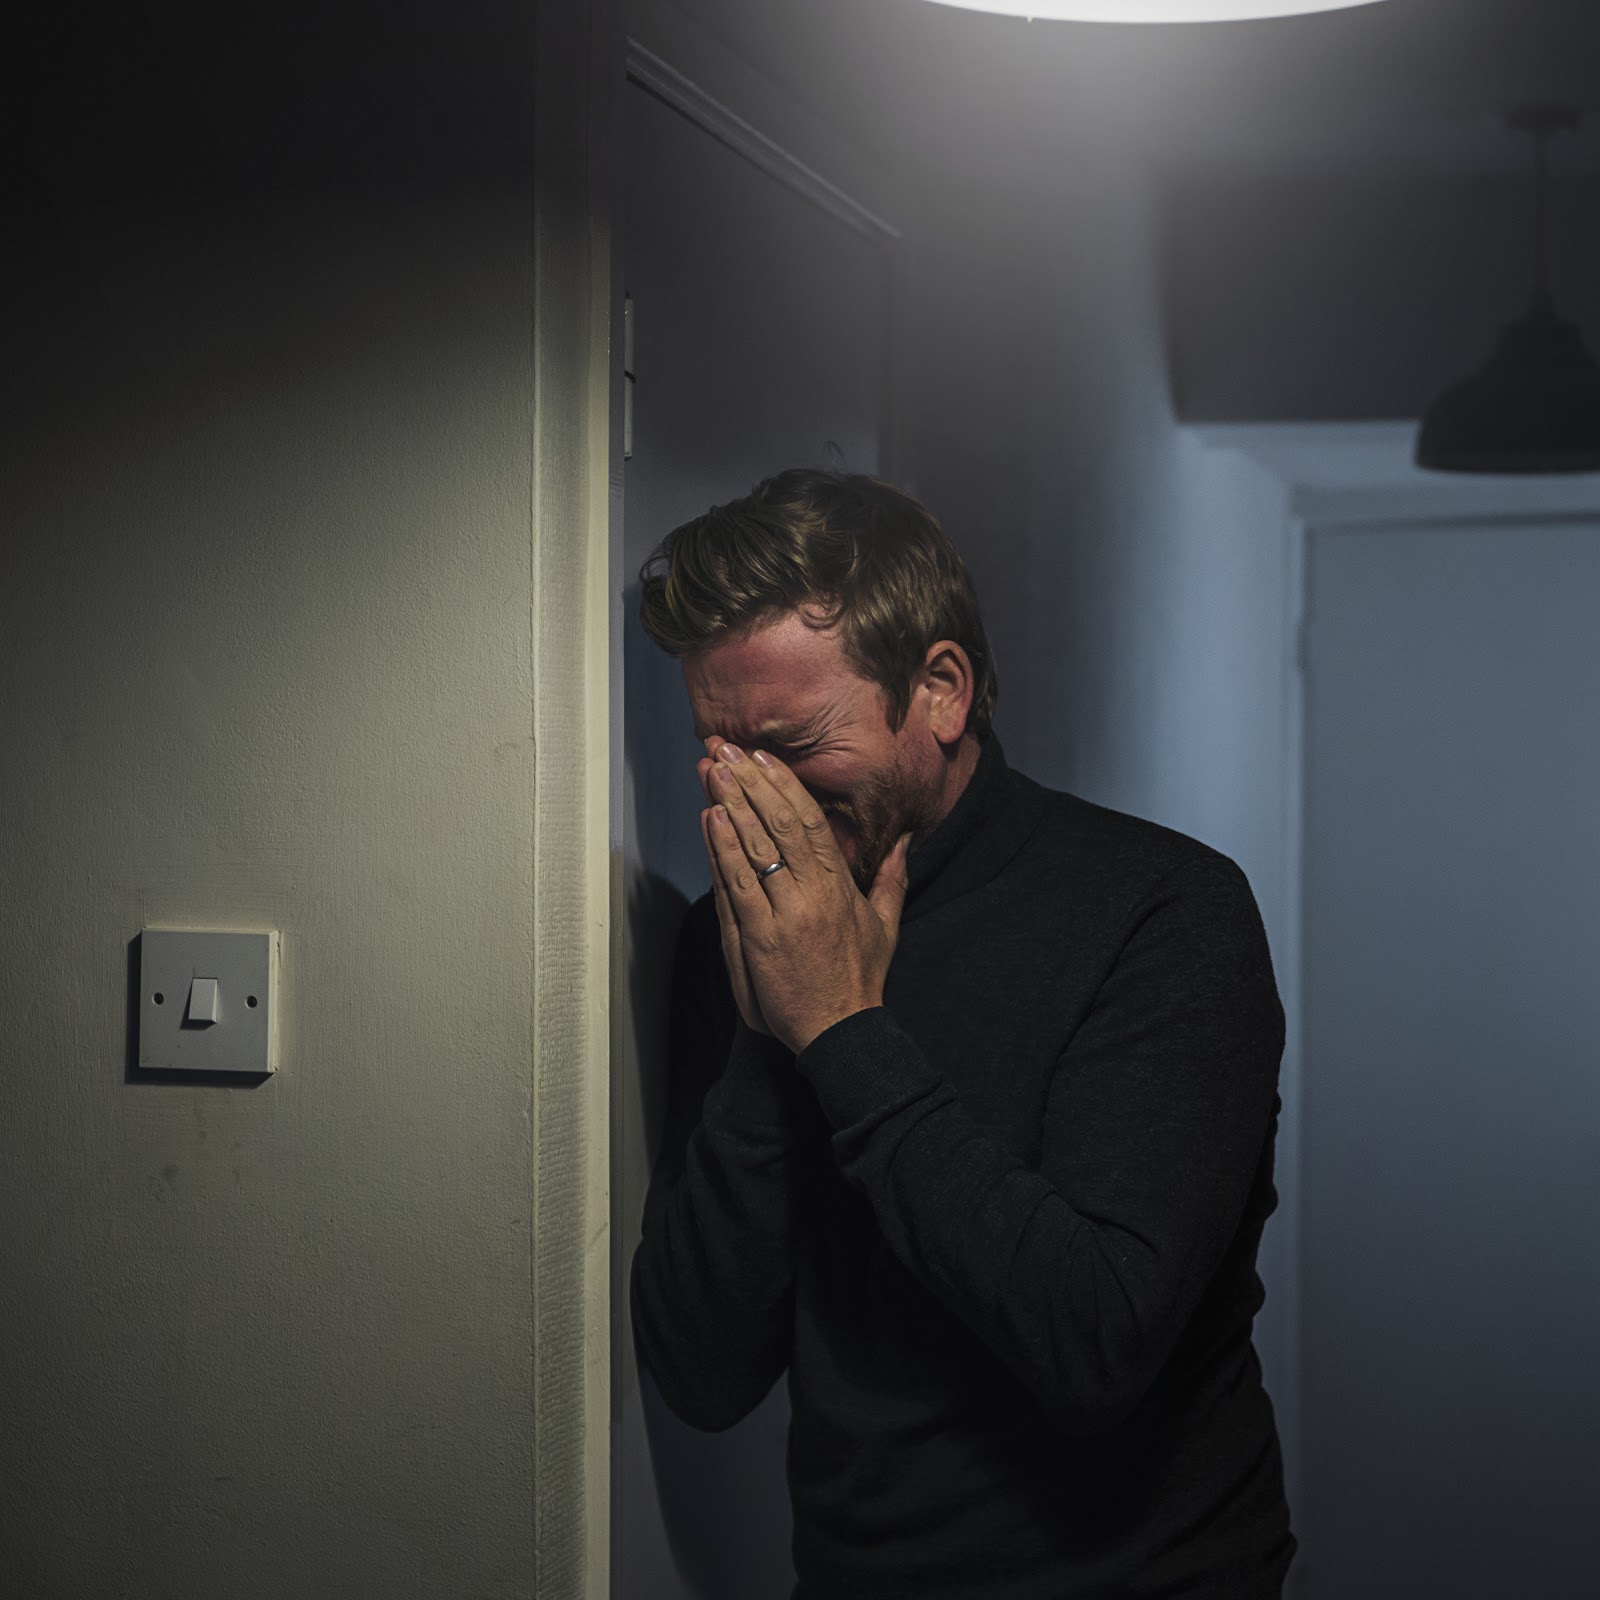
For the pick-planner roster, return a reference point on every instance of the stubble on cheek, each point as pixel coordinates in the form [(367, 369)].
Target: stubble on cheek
[(845, 824), (881, 810)]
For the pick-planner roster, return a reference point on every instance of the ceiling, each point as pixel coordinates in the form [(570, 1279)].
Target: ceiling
[(1407, 86)]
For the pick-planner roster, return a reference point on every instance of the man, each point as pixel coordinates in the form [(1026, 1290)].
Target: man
[(973, 1100)]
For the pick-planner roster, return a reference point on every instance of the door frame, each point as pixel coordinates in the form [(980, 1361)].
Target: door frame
[(574, 556), (692, 74)]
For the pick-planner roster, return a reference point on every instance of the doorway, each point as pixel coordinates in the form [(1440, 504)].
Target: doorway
[(1450, 1261)]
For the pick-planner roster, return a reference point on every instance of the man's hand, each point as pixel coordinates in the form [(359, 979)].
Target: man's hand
[(744, 992), (807, 945)]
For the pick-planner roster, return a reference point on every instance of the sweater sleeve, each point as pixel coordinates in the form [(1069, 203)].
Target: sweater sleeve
[(1082, 1274), (712, 1284)]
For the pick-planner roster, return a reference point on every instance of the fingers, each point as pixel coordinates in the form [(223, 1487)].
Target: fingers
[(760, 849), (727, 917), (888, 893), (741, 889), (778, 800), (719, 890), (813, 821), (732, 943)]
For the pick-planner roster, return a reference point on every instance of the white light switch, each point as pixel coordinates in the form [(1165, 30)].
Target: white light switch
[(208, 1000), (203, 1000)]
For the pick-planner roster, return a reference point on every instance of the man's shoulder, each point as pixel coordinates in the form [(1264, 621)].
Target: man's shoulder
[(1117, 847)]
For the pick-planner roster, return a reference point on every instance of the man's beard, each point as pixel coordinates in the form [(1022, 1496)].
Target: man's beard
[(884, 806)]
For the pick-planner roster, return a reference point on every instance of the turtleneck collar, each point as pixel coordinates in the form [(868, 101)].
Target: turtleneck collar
[(987, 825)]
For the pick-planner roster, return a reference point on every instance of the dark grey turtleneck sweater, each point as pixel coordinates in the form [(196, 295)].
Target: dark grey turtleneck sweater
[(1001, 1231)]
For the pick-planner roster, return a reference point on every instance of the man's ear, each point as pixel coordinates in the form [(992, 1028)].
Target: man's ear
[(944, 681)]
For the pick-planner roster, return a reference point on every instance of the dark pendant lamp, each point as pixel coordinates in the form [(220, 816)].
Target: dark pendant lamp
[(1534, 406)]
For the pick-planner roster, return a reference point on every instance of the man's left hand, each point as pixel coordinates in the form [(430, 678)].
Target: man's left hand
[(817, 949)]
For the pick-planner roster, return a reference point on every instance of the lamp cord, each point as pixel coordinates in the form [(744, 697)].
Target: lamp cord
[(1540, 123), (1541, 217)]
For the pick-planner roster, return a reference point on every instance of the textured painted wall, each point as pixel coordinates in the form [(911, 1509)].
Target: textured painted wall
[(267, 664), (266, 659)]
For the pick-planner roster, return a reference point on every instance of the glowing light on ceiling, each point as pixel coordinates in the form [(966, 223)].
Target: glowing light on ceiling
[(1153, 10)]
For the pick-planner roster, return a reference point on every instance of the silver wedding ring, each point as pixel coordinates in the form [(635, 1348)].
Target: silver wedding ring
[(766, 872)]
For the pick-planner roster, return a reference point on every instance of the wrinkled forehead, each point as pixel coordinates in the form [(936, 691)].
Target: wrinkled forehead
[(779, 684)]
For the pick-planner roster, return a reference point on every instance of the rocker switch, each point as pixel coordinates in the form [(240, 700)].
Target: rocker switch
[(203, 1000)]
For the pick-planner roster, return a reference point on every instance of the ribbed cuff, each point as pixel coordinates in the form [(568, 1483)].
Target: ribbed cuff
[(759, 1086), (864, 1067)]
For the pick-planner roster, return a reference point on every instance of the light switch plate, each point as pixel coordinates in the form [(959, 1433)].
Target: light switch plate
[(244, 1037)]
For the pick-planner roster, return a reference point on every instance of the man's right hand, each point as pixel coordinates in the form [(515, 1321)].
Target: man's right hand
[(744, 992)]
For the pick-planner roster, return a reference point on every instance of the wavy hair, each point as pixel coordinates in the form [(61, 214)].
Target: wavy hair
[(844, 549)]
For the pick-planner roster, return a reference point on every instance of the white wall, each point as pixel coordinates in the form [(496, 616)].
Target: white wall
[(269, 665), (274, 655), (1230, 723)]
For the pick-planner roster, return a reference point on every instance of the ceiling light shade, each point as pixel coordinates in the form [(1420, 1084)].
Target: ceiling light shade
[(1154, 10), (1534, 406)]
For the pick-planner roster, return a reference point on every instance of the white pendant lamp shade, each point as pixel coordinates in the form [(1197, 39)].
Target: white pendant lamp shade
[(1153, 10)]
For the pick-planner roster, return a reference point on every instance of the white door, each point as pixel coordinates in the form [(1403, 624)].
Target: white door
[(1451, 1255), (761, 341)]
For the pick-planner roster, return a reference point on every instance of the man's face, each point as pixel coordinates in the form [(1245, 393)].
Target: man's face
[(787, 688)]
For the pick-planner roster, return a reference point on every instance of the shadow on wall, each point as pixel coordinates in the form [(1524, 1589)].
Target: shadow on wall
[(656, 908), (718, 1513), (722, 1499), (720, 1516)]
